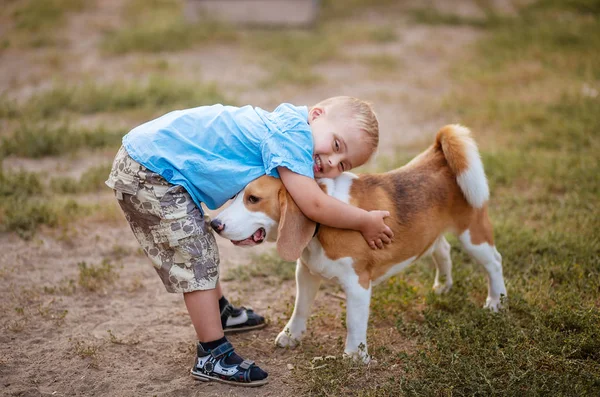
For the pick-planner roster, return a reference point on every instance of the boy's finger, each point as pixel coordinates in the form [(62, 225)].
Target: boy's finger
[(379, 243), (389, 232), (386, 239)]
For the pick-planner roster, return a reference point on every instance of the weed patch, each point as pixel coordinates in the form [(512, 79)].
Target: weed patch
[(96, 277), (90, 181), (44, 139), (162, 27), (36, 22), (157, 94)]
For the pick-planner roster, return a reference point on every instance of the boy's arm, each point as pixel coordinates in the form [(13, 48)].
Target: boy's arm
[(322, 208)]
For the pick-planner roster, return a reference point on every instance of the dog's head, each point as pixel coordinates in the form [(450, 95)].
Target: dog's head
[(265, 210)]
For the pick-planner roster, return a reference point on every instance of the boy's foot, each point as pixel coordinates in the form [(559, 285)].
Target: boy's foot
[(239, 319), (222, 364)]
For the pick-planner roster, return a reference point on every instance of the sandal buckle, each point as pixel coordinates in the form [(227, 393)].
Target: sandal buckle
[(208, 367), (246, 364)]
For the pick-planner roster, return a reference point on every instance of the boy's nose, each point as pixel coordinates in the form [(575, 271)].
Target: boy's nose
[(217, 225), (333, 161)]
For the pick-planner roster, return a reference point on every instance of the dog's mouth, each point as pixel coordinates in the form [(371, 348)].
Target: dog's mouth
[(256, 238)]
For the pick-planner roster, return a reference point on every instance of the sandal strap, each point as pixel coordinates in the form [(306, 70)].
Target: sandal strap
[(221, 350)]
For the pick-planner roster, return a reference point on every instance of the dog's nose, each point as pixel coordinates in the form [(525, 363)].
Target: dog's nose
[(217, 225)]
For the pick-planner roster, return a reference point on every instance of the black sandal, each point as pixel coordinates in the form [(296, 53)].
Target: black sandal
[(211, 366), (240, 319)]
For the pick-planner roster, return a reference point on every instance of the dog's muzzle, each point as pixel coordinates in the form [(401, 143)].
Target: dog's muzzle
[(217, 225)]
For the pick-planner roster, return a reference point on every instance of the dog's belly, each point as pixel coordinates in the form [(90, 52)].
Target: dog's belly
[(342, 269)]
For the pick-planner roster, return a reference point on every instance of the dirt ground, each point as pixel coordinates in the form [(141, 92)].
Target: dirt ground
[(149, 349)]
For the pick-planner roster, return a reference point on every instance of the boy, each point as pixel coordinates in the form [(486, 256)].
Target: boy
[(170, 165)]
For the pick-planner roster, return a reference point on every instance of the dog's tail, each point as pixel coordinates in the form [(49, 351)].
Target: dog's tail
[(460, 151)]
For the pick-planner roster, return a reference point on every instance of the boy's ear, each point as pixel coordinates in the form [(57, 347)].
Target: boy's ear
[(295, 230), (315, 113)]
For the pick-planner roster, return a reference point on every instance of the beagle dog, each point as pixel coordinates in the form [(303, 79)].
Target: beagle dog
[(443, 189)]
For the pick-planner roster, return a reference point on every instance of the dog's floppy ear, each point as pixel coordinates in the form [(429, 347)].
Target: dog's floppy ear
[(295, 230)]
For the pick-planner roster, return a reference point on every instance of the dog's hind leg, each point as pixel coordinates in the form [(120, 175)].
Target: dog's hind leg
[(443, 266), (358, 299), (478, 241), (307, 286)]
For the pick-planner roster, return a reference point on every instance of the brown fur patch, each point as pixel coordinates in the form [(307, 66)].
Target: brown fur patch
[(453, 148), (266, 189), (481, 228), (364, 280)]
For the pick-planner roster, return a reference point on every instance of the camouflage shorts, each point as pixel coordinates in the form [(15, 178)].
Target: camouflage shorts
[(168, 225)]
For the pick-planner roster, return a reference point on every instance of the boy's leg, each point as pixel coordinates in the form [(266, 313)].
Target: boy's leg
[(182, 248), (203, 307), (216, 358)]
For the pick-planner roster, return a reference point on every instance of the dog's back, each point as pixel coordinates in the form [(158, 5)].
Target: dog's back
[(444, 188)]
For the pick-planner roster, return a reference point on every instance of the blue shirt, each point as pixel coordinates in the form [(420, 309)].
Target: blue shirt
[(215, 151)]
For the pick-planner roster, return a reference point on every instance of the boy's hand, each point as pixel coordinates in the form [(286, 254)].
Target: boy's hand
[(375, 231)]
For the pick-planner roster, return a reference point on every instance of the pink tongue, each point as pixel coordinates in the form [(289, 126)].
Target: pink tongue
[(257, 235)]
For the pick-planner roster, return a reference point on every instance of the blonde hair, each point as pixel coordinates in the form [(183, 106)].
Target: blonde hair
[(360, 112)]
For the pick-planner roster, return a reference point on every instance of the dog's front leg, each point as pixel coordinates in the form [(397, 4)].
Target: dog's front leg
[(307, 286), (358, 300)]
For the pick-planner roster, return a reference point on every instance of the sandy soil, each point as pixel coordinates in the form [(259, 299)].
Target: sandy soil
[(55, 338)]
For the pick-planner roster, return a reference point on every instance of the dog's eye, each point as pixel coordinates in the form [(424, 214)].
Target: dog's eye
[(253, 199)]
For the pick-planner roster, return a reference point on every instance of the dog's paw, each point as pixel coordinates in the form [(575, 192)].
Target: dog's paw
[(286, 339), (495, 304), (440, 289)]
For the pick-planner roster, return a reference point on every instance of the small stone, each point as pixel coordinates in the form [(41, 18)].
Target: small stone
[(290, 367)]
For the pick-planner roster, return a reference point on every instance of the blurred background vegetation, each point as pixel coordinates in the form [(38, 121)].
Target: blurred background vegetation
[(528, 87)]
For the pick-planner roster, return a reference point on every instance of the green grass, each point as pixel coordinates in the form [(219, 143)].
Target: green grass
[(290, 55), (35, 140), (160, 25), (382, 65), (26, 204), (91, 180), (37, 23), (157, 95), (539, 131), (432, 16), (336, 9)]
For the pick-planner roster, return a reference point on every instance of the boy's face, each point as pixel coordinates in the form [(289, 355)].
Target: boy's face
[(338, 144)]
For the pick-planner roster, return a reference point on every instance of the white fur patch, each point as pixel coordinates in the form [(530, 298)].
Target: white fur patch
[(489, 257), (472, 182), (340, 186)]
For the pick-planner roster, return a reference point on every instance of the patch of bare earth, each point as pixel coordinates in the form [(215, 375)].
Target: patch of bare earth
[(55, 337)]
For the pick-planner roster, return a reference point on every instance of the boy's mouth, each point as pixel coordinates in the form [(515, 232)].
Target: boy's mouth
[(318, 166)]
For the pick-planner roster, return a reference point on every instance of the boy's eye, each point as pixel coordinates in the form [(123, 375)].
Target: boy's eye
[(253, 199), (337, 145)]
